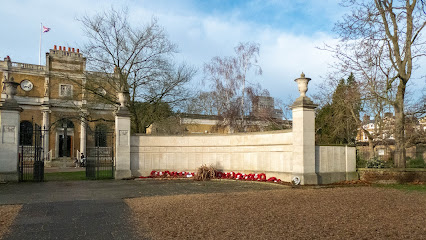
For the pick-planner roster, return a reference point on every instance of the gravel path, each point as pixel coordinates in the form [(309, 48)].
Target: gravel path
[(8, 214), (330, 213)]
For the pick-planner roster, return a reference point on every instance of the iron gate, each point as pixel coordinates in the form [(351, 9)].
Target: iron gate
[(31, 152), (100, 155)]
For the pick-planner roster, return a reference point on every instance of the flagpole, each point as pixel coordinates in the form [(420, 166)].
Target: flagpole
[(39, 49)]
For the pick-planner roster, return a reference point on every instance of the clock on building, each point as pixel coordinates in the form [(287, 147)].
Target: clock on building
[(26, 85)]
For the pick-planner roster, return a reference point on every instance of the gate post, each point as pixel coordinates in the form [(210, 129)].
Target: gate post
[(122, 140), (9, 132), (303, 110)]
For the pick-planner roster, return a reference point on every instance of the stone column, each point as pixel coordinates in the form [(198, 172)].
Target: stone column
[(304, 135), (83, 136), (9, 133), (122, 140), (45, 111)]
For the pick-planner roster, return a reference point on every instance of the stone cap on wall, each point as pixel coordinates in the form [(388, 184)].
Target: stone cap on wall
[(303, 102), (10, 106)]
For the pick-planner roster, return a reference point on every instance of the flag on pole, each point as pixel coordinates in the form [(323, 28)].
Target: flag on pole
[(45, 29)]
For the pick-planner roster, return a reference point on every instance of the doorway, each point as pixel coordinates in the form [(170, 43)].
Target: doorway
[(64, 146)]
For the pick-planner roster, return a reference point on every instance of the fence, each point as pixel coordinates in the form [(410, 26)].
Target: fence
[(415, 156)]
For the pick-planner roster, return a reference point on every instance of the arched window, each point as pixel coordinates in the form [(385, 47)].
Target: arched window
[(101, 135), (26, 133), (66, 123)]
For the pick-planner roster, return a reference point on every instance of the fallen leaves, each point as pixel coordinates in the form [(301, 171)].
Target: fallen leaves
[(8, 214), (337, 213)]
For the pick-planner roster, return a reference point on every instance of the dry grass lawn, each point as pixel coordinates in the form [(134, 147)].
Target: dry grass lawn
[(8, 213), (328, 213)]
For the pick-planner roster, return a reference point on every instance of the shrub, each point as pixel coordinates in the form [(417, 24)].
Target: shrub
[(375, 163), (416, 163), (360, 162), (205, 173)]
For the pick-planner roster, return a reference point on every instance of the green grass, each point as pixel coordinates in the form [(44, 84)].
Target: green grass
[(65, 176), (404, 187), (74, 176)]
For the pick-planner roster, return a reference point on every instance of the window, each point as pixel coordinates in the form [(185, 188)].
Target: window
[(65, 123), (65, 90)]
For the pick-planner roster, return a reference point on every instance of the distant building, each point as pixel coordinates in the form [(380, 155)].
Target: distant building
[(381, 129), (53, 98), (384, 140), (422, 123), (207, 124), (264, 108), (263, 117)]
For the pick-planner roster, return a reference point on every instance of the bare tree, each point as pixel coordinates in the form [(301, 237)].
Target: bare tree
[(202, 103), (246, 59), (221, 73), (136, 60), (380, 41), (228, 77)]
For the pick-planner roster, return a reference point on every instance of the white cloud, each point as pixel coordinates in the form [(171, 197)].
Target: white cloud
[(200, 36), (283, 56)]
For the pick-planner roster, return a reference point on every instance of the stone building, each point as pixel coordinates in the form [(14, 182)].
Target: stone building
[(53, 98), (264, 107)]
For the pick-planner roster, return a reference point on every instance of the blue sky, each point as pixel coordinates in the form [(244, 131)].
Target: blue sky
[(289, 32)]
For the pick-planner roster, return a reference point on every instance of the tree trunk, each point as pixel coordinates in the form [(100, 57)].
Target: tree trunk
[(242, 106), (135, 120), (370, 148), (399, 156)]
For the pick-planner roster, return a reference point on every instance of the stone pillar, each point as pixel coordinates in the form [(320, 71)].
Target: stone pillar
[(122, 140), (304, 135), (45, 127), (9, 133), (83, 136)]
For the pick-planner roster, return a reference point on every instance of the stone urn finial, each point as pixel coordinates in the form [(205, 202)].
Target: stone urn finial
[(302, 84), (10, 88), (122, 98)]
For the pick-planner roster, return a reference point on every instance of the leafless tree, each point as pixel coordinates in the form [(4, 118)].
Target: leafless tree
[(202, 103), (247, 54), (221, 73), (380, 42), (132, 59), (228, 77)]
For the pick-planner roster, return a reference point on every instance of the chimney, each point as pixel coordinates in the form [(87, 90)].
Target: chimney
[(60, 48), (78, 50), (72, 49), (69, 49), (54, 47), (63, 47)]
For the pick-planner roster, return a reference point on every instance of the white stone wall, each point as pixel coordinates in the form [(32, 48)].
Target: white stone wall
[(284, 154), (122, 143), (9, 140), (250, 153), (271, 153), (335, 159), (335, 163)]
